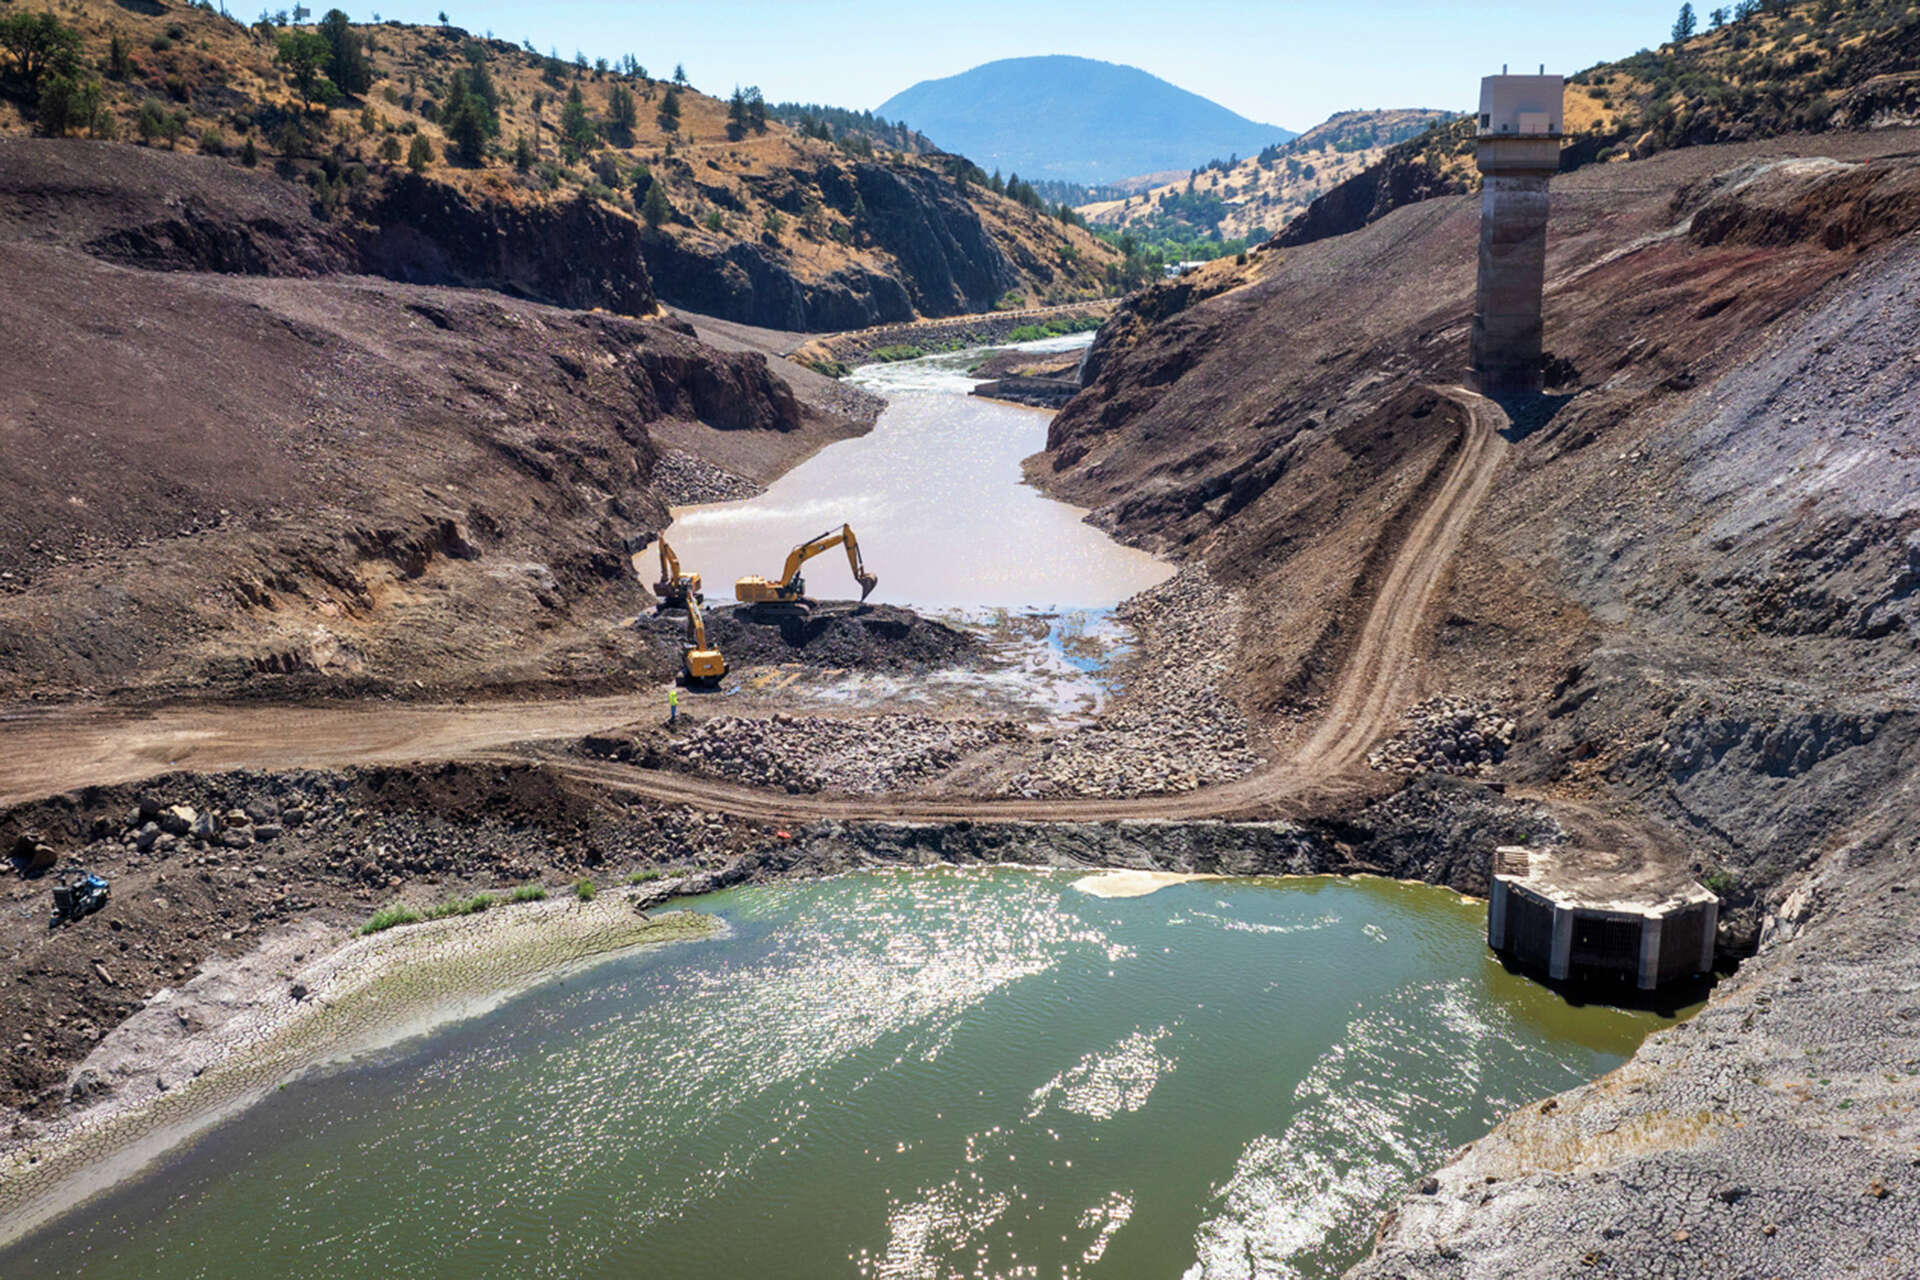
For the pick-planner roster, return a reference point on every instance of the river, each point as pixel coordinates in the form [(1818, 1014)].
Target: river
[(895, 1074), (935, 495)]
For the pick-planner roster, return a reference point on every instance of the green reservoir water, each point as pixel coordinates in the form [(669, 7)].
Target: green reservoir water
[(907, 1074)]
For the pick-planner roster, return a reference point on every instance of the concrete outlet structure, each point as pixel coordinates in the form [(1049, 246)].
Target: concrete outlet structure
[(1518, 151), (1551, 919)]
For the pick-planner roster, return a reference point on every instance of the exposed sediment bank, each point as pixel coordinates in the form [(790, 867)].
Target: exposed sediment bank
[(239, 1029)]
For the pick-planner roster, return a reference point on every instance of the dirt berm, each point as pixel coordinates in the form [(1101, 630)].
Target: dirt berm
[(853, 637), (1695, 587)]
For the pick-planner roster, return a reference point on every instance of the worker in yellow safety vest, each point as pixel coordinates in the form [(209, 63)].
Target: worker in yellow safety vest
[(673, 704)]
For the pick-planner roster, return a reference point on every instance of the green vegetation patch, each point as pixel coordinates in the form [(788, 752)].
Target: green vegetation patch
[(1054, 328), (583, 889), (528, 893), (641, 877), (461, 907), (388, 917), (896, 352)]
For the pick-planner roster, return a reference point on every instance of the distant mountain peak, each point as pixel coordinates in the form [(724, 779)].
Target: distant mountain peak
[(1057, 116)]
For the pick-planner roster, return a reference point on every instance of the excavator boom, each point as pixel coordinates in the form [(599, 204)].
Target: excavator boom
[(790, 589), (702, 663)]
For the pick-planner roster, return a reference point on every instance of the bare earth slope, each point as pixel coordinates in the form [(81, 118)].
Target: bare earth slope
[(268, 484), (1696, 584)]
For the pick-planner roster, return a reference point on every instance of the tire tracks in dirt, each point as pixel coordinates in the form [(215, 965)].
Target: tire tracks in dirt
[(61, 749)]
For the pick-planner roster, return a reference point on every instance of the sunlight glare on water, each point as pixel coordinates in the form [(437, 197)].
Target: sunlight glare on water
[(908, 1074)]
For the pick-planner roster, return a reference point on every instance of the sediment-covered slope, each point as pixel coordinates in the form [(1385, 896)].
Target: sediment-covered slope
[(1697, 587), (289, 481)]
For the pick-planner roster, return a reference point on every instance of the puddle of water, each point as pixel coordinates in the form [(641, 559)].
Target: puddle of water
[(936, 496), (1043, 664)]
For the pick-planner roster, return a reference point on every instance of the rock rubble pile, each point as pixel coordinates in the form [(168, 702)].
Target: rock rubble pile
[(854, 757), (1173, 727), (683, 480), (1446, 735)]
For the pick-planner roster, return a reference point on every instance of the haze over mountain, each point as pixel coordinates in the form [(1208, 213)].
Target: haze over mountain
[(1075, 119)]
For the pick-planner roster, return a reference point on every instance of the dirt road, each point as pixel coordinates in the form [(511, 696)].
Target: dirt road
[(57, 749)]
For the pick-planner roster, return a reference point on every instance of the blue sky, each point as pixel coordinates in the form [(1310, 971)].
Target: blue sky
[(1291, 63)]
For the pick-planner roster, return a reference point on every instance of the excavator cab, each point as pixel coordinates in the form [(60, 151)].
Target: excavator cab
[(788, 595)]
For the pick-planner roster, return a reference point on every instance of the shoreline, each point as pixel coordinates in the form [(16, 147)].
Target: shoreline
[(281, 1011)]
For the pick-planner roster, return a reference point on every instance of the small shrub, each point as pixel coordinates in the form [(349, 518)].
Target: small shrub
[(715, 220), (898, 351), (528, 893), (419, 153), (249, 154), (583, 889), (388, 917), (641, 877)]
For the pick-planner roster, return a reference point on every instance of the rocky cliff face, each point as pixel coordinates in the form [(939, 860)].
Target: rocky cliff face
[(947, 260), (163, 211), (574, 254), (745, 283)]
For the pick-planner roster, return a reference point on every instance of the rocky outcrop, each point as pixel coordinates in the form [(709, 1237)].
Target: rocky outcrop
[(574, 254), (949, 264), (1403, 176), (748, 283)]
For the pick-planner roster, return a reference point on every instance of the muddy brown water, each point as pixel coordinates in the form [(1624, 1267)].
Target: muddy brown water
[(934, 493)]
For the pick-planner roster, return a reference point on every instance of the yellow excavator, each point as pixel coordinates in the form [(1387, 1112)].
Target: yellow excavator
[(788, 595), (701, 663), (675, 589)]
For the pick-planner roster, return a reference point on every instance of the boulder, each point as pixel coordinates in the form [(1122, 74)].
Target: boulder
[(179, 819)]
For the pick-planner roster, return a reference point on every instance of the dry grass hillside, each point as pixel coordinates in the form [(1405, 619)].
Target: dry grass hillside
[(761, 201), (1805, 66), (1260, 194)]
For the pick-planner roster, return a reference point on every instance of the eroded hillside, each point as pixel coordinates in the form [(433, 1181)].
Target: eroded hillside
[(1695, 587), (233, 467), (733, 213)]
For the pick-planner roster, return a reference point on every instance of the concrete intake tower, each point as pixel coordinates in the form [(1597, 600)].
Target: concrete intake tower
[(1518, 151)]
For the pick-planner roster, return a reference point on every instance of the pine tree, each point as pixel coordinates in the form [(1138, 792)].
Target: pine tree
[(347, 63), (1685, 25), (737, 114), (622, 115), (655, 208)]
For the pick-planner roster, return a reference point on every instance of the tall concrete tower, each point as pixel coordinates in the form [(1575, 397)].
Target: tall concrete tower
[(1519, 150)]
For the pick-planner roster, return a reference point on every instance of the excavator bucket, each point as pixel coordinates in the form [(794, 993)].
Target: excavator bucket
[(867, 583)]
